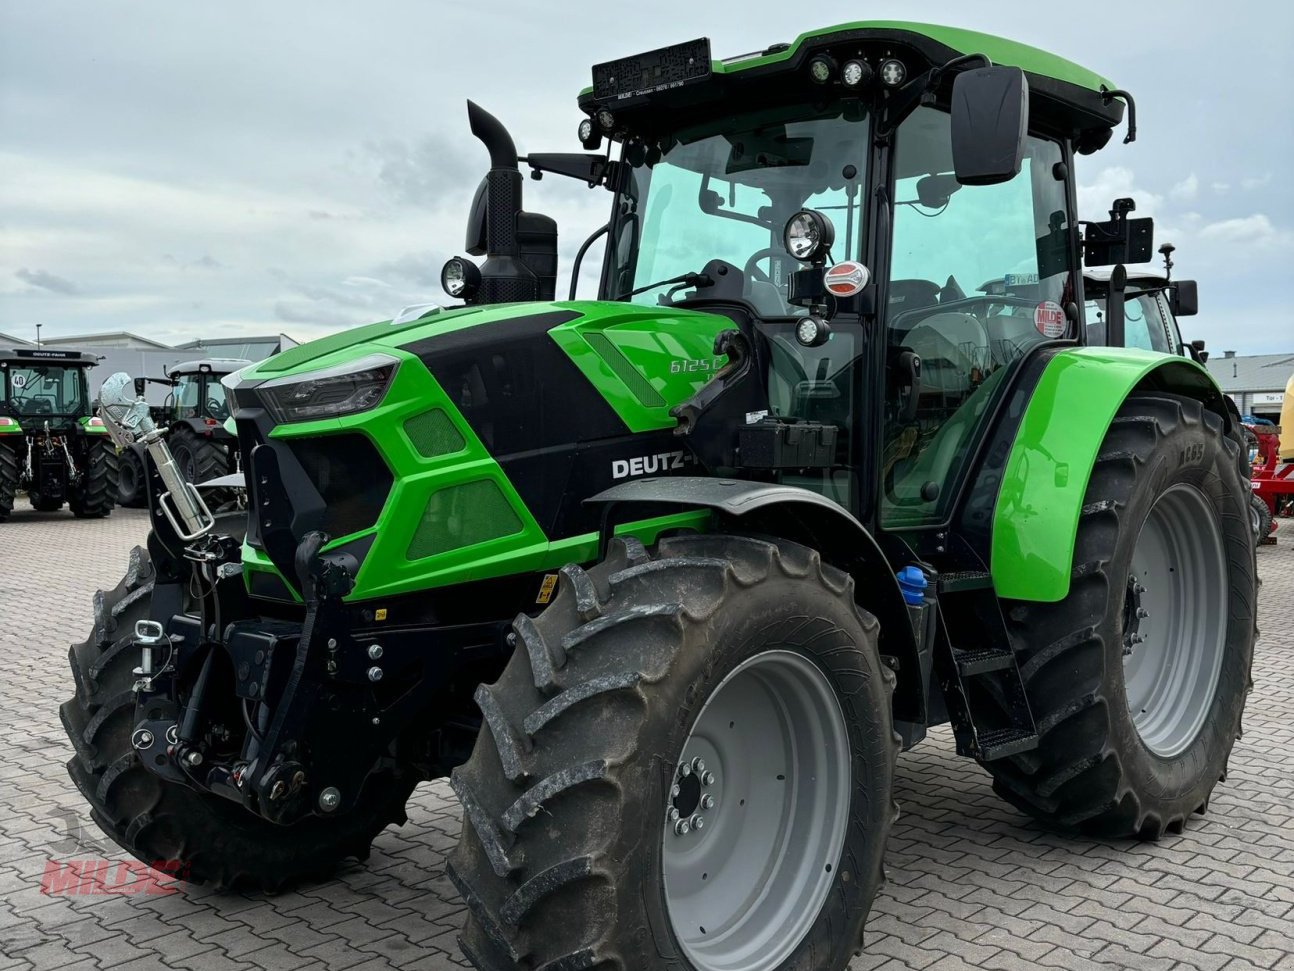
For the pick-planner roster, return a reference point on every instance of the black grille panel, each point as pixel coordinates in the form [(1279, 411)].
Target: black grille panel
[(349, 475)]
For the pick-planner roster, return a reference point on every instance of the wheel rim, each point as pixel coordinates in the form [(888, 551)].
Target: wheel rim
[(767, 770), (1175, 620)]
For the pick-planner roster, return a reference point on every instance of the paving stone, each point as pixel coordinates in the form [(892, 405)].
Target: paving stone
[(973, 883)]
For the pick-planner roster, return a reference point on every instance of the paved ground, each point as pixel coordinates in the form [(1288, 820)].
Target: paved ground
[(971, 882)]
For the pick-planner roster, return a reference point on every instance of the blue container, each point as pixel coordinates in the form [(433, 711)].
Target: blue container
[(912, 582)]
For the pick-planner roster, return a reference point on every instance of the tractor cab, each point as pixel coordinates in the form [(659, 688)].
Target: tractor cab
[(1152, 304), (198, 395), (51, 444), (45, 388), (883, 213)]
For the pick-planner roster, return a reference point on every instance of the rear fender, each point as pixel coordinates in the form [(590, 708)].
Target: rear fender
[(813, 520), (1035, 518)]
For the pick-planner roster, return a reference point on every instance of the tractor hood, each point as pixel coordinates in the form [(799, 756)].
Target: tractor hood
[(462, 441), (640, 360)]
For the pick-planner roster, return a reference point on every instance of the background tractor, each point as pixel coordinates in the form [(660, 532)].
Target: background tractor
[(51, 445), (663, 581), (196, 412)]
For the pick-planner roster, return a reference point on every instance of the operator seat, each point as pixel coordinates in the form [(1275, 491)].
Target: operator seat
[(952, 346)]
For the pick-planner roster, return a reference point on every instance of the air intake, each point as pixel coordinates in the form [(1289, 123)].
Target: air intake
[(433, 434), (463, 515)]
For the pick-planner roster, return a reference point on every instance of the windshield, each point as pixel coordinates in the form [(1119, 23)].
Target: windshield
[(728, 196), (1146, 322), (46, 389)]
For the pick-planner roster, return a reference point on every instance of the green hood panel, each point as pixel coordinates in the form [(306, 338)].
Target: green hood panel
[(642, 360), (1045, 481)]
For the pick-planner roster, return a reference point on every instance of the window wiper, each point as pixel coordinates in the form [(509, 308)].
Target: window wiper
[(687, 279)]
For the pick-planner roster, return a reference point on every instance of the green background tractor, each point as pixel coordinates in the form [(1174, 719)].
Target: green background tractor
[(664, 580), (51, 445), (195, 411)]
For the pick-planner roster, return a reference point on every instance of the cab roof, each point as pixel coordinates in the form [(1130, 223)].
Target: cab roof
[(1075, 93), (209, 365), (41, 355)]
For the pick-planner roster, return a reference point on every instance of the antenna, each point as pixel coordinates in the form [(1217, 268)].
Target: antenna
[(1166, 251)]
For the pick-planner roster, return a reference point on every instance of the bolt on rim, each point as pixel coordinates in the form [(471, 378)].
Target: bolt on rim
[(743, 889), (1175, 630)]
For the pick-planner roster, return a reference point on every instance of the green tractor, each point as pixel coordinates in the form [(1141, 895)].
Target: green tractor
[(196, 412), (664, 581), (51, 445)]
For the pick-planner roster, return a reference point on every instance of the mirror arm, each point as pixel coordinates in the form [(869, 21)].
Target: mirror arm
[(1108, 95), (1114, 309), (921, 90), (579, 257)]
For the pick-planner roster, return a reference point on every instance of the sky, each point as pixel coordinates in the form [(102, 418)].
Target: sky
[(185, 170)]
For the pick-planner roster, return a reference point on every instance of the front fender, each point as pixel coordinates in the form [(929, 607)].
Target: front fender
[(815, 521), (1035, 519)]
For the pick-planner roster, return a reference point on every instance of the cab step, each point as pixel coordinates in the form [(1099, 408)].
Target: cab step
[(964, 580), (1005, 742), (971, 663)]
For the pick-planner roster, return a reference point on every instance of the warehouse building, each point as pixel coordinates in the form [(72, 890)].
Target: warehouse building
[(1256, 382)]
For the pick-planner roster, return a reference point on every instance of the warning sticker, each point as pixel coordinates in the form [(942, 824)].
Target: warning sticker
[(1049, 319)]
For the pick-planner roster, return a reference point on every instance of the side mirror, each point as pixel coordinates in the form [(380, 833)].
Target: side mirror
[(140, 385), (1183, 298), (1198, 352), (990, 118)]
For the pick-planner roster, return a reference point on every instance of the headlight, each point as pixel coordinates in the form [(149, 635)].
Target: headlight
[(809, 235), (461, 278), (344, 390)]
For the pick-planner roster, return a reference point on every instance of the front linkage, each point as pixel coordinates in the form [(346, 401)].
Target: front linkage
[(286, 716)]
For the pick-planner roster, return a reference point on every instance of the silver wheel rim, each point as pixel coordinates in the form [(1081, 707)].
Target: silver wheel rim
[(767, 767), (1175, 620)]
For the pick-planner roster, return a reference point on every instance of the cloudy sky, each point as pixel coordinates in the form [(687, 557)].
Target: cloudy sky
[(183, 169)]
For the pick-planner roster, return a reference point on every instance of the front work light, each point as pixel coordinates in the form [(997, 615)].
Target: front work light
[(461, 278), (607, 120), (589, 136), (893, 73), (812, 331), (808, 236), (821, 68), (856, 74), (330, 393)]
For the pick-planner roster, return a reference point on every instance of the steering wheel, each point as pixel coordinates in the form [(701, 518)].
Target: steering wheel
[(752, 269), (754, 274), (217, 409)]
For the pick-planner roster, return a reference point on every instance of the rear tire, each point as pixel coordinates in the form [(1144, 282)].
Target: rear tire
[(8, 479), (570, 857), (1261, 518), (132, 492), (97, 493), (177, 830), (1165, 529)]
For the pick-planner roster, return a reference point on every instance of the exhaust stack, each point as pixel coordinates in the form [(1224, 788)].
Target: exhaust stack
[(504, 276)]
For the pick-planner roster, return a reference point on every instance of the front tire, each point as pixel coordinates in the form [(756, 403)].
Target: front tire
[(574, 850), (200, 459), (1138, 678), (132, 490)]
